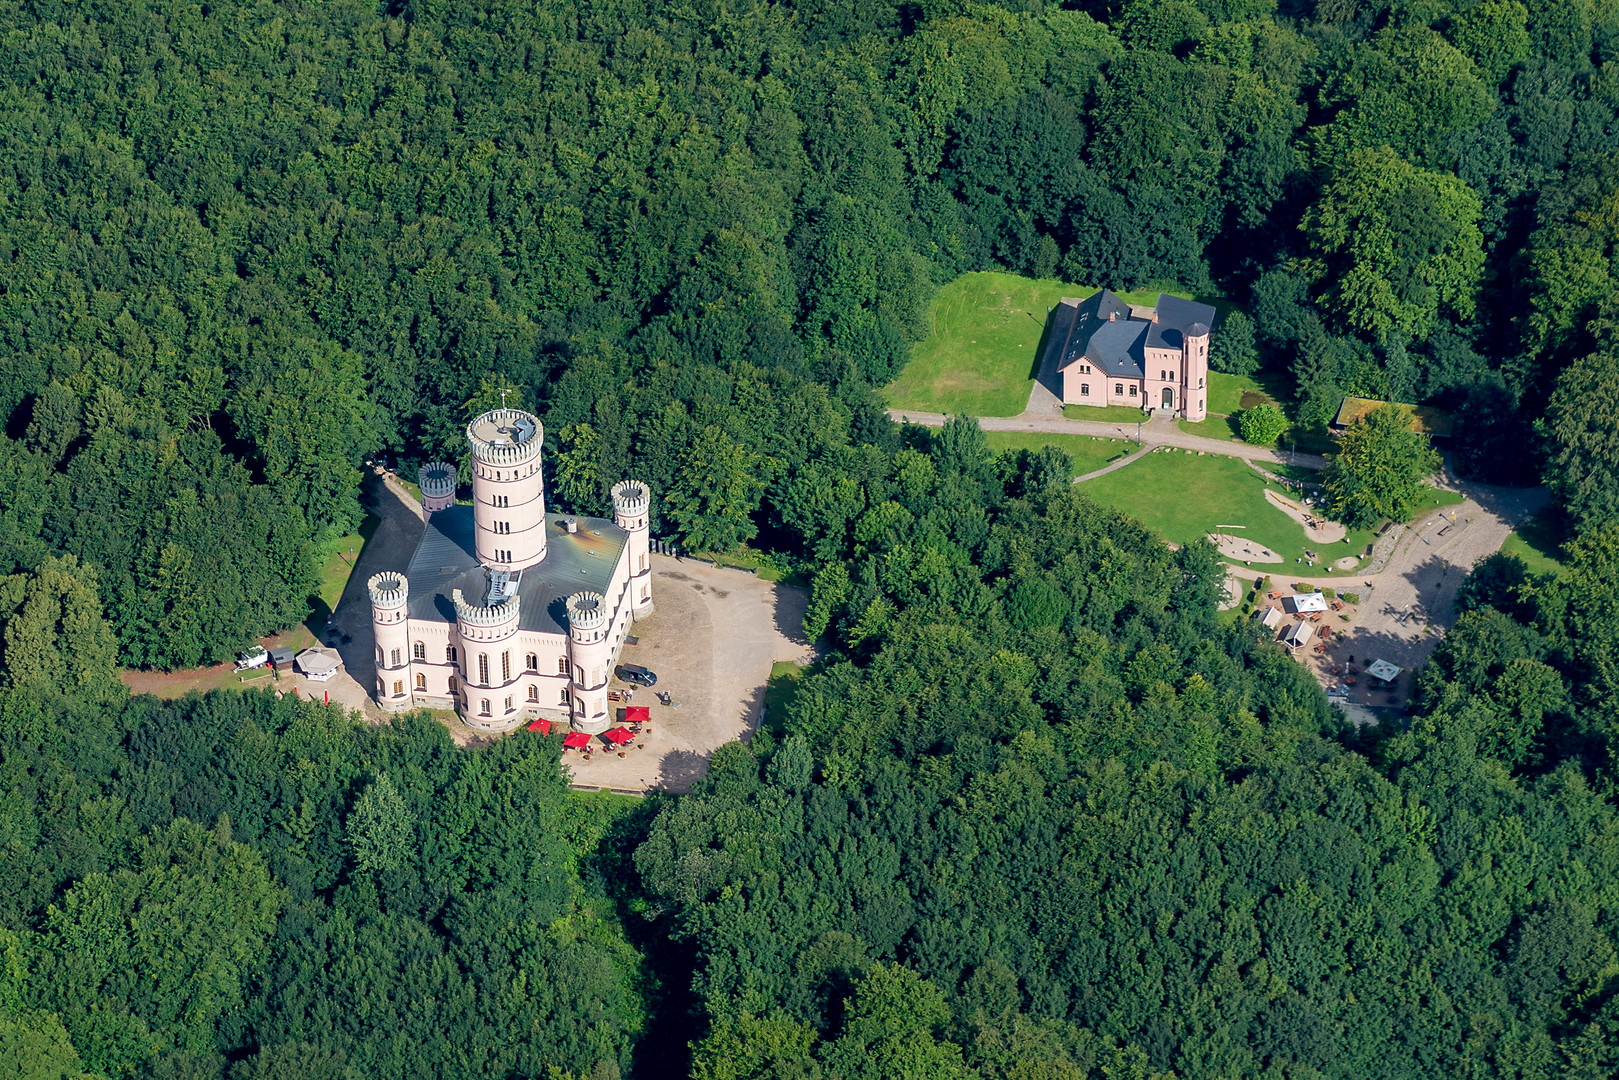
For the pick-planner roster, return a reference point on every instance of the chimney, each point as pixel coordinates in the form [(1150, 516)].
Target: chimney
[(1112, 316)]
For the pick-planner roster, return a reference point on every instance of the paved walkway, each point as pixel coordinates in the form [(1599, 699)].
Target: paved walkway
[(1158, 431)]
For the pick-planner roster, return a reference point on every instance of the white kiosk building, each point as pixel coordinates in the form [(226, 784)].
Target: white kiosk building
[(507, 613)]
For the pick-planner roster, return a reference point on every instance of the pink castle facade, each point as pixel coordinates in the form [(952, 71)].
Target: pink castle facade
[(507, 613), (1107, 352)]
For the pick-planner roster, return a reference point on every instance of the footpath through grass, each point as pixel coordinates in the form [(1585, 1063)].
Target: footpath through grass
[(1088, 451), (1182, 497), (984, 352)]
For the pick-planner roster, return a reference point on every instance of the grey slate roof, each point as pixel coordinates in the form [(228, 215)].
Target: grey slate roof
[(445, 561), (1116, 345)]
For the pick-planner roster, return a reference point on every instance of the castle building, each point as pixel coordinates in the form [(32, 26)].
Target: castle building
[(506, 613), (1108, 352)]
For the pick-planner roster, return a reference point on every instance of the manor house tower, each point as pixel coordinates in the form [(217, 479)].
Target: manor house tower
[(507, 613)]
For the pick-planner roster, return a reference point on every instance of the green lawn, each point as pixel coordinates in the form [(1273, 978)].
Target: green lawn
[(1182, 497), (1089, 452), (1104, 414), (779, 690), (1229, 395), (1215, 427), (984, 351), (337, 559), (1539, 543)]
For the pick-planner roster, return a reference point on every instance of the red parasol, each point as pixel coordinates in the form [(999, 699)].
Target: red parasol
[(619, 735), (542, 725), (576, 739), (638, 714)]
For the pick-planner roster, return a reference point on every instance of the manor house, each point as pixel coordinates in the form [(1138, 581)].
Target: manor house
[(507, 613), (1107, 352)]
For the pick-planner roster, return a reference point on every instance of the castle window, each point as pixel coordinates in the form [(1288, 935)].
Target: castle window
[(564, 700), (1200, 384), (1132, 389), (483, 668), (643, 562), (453, 686), (380, 659), (418, 651), (505, 667), (534, 693), (483, 707), (1084, 389), (399, 688), (508, 703), (645, 592), (533, 661), (562, 665), (421, 682), (1118, 389), (394, 658), (449, 654)]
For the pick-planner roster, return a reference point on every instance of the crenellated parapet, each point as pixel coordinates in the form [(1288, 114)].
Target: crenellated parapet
[(388, 589), (631, 499), (437, 481), (505, 437), (587, 617), (486, 622)]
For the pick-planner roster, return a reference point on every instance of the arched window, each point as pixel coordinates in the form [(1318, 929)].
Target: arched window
[(453, 686), (1084, 389), (379, 654), (483, 669), (534, 693), (399, 688), (421, 682), (483, 707), (506, 667), (533, 661), (562, 665), (564, 700), (418, 651), (394, 655), (508, 703), (449, 654)]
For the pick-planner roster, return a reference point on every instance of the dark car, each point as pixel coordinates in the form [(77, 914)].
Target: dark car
[(640, 676)]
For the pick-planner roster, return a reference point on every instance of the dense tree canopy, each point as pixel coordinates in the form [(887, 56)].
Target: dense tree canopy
[(1038, 811)]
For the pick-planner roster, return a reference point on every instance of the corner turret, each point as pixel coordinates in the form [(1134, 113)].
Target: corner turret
[(389, 593), (591, 660), (437, 481), (632, 512)]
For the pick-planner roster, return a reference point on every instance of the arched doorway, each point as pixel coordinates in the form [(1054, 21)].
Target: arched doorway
[(1169, 397)]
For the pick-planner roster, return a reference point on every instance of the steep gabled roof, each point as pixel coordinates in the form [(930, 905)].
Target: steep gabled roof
[(1175, 318), (1099, 329)]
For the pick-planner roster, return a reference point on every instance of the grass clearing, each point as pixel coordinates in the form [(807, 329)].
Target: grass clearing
[(780, 689), (984, 352), (1230, 394), (1182, 497), (1105, 414), (1089, 452), (1539, 543), (1215, 427)]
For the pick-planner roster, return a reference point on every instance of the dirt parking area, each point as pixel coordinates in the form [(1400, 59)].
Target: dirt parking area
[(711, 640)]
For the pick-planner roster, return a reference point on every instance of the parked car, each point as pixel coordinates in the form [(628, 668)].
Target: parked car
[(252, 658), (640, 676)]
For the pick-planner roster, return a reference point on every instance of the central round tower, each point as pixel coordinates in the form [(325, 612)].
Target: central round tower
[(508, 490)]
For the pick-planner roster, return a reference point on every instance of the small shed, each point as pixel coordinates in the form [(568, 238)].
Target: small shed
[(1270, 618), (280, 657), (1305, 603), (1298, 635), (319, 664)]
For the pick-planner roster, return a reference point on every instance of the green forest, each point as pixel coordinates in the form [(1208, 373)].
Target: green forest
[(1037, 811)]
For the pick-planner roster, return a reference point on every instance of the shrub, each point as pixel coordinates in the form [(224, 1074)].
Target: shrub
[(1262, 425)]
